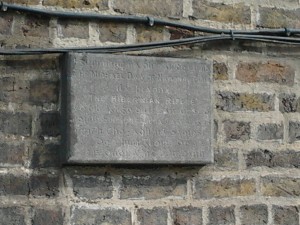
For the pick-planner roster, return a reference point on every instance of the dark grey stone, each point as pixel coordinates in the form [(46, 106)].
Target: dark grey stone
[(270, 131), (88, 216), (126, 109)]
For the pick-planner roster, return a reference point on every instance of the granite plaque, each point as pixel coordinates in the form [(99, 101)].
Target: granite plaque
[(133, 109)]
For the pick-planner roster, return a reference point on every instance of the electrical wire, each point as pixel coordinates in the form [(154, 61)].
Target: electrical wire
[(278, 36)]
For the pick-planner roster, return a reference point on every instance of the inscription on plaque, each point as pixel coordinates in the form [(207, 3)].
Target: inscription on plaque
[(132, 109)]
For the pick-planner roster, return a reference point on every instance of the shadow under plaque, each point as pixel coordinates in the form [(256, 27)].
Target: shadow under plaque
[(132, 109)]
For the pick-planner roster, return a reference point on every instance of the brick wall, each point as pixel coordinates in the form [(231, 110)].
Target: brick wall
[(255, 178)]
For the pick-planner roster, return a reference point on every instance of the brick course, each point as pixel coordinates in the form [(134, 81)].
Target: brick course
[(255, 175)]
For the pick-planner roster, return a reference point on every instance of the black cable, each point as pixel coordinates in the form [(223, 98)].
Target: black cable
[(153, 45), (138, 19), (266, 35)]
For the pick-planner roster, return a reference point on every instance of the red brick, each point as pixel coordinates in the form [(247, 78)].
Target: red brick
[(271, 72)]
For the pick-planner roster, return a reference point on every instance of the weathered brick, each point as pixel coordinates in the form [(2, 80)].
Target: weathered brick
[(226, 159), (36, 26), (288, 103), (112, 32), (13, 185), (254, 214), (221, 215), (280, 186), (100, 4), (294, 131), (270, 131), (207, 10), (220, 71), (237, 130), (13, 90), (13, 154), (73, 28), (111, 216), (271, 72), (21, 64), (48, 216), (179, 33), (285, 215), (171, 8), (152, 186), (12, 216), (187, 216), (155, 216), (50, 124), (230, 101), (92, 187), (44, 185), (278, 18), (42, 91), (15, 123), (208, 188), (6, 21), (45, 155), (263, 157), (145, 34)]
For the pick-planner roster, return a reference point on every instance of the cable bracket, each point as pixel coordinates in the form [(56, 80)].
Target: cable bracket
[(150, 21), (232, 35), (3, 7), (287, 31)]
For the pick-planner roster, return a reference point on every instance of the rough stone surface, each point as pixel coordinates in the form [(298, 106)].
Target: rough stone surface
[(187, 216), (254, 214), (220, 71), (14, 90), (83, 216), (226, 159), (13, 154), (294, 131), (48, 217), (207, 188), (45, 185), (6, 21), (289, 103), (221, 215), (237, 13), (230, 101), (149, 34), (112, 32), (272, 72), (237, 130), (162, 124), (286, 215), (278, 18), (42, 91), (281, 186), (152, 187), (13, 185), (36, 26), (45, 155), (15, 123), (50, 124), (99, 4), (12, 216), (264, 157), (155, 216), (71, 28), (92, 187), (270, 131), (172, 8)]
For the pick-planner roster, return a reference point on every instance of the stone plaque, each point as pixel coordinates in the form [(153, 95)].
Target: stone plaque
[(132, 109)]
